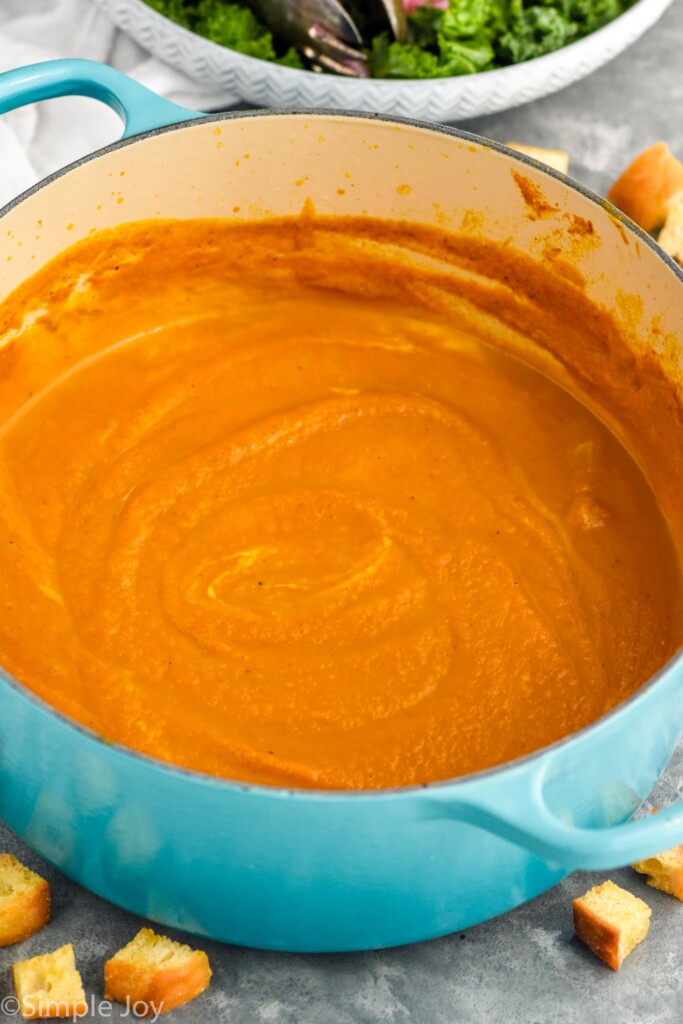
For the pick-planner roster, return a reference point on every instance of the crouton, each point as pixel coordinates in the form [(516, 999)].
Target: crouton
[(664, 871), (24, 901), (671, 235), (611, 922), (556, 158), (153, 974), (49, 986), (646, 187)]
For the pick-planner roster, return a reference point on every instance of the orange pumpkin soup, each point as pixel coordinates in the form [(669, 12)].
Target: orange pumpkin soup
[(315, 504)]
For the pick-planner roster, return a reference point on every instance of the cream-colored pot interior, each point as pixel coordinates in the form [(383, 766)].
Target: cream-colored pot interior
[(271, 165)]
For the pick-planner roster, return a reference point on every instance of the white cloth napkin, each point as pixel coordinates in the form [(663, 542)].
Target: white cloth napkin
[(36, 140)]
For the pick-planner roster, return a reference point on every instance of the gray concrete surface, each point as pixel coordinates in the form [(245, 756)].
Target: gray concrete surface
[(526, 966)]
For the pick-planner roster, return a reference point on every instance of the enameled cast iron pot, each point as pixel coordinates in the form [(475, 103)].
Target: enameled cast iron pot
[(321, 871)]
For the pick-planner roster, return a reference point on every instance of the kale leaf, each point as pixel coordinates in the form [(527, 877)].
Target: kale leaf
[(236, 27), (424, 26), (465, 18), (228, 24), (401, 60), (534, 31), (594, 14)]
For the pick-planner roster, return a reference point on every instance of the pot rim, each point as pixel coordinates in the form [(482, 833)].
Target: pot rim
[(290, 792)]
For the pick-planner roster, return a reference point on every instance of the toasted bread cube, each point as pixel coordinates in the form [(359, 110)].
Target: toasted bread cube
[(24, 901), (671, 235), (646, 187), (664, 871), (611, 921), (556, 158), (153, 974), (49, 986)]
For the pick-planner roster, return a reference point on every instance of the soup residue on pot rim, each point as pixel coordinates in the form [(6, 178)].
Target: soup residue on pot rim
[(328, 503)]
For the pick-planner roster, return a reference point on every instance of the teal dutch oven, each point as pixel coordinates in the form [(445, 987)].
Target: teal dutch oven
[(304, 870)]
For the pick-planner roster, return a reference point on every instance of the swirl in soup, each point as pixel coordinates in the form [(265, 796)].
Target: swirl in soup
[(303, 504)]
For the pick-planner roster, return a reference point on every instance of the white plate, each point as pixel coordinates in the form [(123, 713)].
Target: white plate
[(443, 99)]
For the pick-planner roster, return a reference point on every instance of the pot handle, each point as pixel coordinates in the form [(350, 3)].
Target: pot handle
[(139, 108), (521, 815)]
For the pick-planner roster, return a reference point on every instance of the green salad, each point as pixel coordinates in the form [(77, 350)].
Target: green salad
[(468, 36)]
